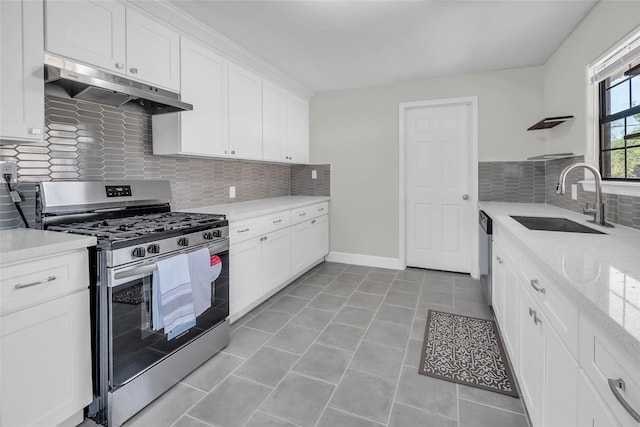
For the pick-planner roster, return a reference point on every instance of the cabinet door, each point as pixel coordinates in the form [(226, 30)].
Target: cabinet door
[(532, 352), (560, 382), (319, 238), (244, 278), (153, 51), (274, 123), (300, 248), (275, 267), (511, 286), (22, 77), (497, 284), (245, 114), (204, 83), (592, 410), (90, 31), (298, 129), (45, 360)]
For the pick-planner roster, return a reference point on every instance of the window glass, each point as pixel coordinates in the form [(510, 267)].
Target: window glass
[(619, 97), (633, 162)]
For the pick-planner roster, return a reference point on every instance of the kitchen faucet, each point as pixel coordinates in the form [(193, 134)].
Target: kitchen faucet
[(598, 211)]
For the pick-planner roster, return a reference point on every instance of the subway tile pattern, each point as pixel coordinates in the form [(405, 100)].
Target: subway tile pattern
[(303, 184), (552, 175), (522, 182), (86, 141)]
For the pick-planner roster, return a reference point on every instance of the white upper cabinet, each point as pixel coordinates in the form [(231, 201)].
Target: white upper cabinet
[(245, 114), (285, 127), (89, 31), (153, 51), (204, 83), (121, 40), (21, 79)]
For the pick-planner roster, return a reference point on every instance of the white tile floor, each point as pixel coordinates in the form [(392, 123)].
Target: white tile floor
[(338, 347)]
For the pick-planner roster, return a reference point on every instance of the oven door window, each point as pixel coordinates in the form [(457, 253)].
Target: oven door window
[(135, 345)]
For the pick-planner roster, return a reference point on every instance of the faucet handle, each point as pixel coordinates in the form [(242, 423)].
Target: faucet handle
[(588, 210)]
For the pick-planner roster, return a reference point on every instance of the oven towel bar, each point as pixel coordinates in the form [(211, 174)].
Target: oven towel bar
[(173, 300), (200, 272)]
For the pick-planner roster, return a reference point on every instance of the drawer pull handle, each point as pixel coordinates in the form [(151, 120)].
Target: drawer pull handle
[(499, 260), (277, 222), (320, 209), (534, 285), (616, 384), (313, 222), (244, 231), (40, 282), (532, 313), (302, 214)]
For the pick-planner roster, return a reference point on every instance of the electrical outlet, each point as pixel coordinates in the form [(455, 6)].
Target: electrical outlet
[(314, 174), (8, 168), (574, 191), (232, 192)]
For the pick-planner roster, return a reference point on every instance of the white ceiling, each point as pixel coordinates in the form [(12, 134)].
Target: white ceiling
[(342, 44)]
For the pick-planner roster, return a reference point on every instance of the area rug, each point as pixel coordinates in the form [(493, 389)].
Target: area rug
[(466, 350)]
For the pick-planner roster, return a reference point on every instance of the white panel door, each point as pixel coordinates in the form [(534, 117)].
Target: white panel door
[(276, 258), (153, 51), (439, 214), (89, 31), (22, 76), (245, 113), (511, 311), (274, 123), (244, 277), (300, 247), (592, 410), (319, 238), (530, 370), (560, 383)]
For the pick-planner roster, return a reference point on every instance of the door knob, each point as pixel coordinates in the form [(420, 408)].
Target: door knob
[(465, 197)]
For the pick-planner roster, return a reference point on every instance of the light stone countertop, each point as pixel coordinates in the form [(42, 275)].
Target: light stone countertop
[(255, 208), (23, 244), (600, 271)]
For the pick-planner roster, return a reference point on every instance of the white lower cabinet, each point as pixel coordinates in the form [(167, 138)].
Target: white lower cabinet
[(497, 283), (531, 362), (511, 310), (244, 274), (592, 411), (309, 243), (276, 258)]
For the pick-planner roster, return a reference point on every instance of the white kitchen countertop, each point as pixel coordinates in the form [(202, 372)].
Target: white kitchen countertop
[(254, 208), (600, 271), (24, 244)]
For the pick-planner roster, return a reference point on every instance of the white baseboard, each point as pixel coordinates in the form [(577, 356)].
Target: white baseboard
[(366, 260)]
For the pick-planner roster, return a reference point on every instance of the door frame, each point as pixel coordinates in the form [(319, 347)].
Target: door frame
[(472, 102)]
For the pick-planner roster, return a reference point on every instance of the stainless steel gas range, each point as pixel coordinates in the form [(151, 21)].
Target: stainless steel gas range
[(136, 357)]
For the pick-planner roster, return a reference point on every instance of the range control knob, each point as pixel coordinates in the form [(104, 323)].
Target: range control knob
[(138, 252), (208, 235), (183, 241), (153, 248)]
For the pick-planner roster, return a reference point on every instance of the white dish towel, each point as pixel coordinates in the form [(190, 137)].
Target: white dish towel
[(173, 301), (199, 268)]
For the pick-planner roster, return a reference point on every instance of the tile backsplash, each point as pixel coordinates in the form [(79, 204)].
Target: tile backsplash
[(535, 182), (86, 141)]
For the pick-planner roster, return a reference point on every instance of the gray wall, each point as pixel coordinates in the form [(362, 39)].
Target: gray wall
[(86, 141)]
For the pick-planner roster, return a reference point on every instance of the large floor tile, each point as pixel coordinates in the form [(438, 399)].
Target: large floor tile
[(366, 395), (371, 287), (413, 275), (359, 269), (298, 399), (378, 359), (350, 278), (423, 309), (335, 418), (413, 356), (406, 416), (365, 300), (231, 403), (390, 334), (400, 298), (490, 398), (267, 366), (377, 276), (469, 296), (187, 421), (432, 394), (355, 316), (332, 268), (477, 415), (213, 371), (293, 338), (289, 304), (439, 275), (245, 341), (168, 408), (406, 287), (395, 314), (328, 302), (437, 297), (341, 336), (260, 419), (318, 279), (418, 329), (313, 318), (325, 363), (305, 291), (464, 281), (269, 321), (341, 289), (437, 285), (481, 311)]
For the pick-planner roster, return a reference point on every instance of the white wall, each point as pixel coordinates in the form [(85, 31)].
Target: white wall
[(565, 85), (357, 132)]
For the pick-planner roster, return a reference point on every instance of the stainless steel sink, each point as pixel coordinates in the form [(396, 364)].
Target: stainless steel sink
[(554, 224)]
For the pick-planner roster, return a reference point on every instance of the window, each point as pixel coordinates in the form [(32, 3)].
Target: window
[(620, 125)]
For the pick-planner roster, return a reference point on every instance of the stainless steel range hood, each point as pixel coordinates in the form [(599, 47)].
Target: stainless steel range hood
[(90, 84)]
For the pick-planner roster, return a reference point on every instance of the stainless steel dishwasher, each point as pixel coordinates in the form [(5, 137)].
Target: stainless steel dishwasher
[(486, 230)]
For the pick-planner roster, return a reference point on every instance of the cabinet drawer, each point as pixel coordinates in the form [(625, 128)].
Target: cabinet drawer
[(276, 221), (603, 361), (41, 279), (243, 230), (304, 213), (561, 311)]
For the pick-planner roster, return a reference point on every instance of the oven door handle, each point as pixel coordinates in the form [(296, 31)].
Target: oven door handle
[(148, 268)]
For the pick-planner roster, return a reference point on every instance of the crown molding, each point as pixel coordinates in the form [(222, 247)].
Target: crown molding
[(192, 28)]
